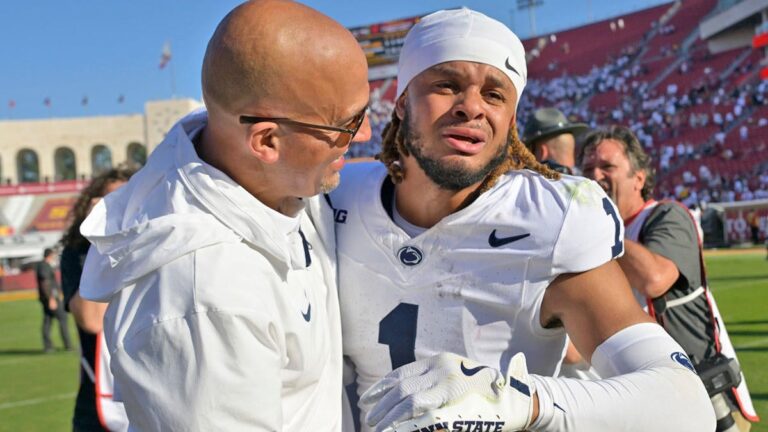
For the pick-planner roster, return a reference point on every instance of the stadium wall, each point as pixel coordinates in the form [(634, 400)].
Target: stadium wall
[(81, 135), (734, 26)]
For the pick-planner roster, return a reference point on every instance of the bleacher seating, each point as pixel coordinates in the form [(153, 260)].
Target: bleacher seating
[(603, 74)]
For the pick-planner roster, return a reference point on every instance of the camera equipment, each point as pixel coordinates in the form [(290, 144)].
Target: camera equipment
[(719, 374)]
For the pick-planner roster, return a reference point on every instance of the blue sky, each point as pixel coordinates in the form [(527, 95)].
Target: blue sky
[(101, 49)]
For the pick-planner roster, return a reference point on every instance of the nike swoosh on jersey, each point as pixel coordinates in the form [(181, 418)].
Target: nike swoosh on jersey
[(307, 316), (471, 371), (501, 241)]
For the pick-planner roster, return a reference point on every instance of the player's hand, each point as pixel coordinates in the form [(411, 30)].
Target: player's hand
[(52, 304), (454, 392)]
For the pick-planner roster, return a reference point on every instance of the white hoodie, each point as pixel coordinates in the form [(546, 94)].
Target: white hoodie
[(216, 321)]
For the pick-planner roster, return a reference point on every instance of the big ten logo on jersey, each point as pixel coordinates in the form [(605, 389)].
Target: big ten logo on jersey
[(339, 216)]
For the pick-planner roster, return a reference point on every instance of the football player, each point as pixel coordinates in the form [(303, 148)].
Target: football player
[(460, 243)]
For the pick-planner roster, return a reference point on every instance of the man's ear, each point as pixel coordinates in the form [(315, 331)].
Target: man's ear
[(263, 142), (640, 176), (400, 105), (541, 151)]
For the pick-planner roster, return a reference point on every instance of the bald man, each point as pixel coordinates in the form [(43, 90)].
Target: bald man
[(216, 257)]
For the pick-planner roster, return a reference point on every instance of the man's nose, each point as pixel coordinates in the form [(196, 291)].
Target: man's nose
[(364, 133), (469, 106)]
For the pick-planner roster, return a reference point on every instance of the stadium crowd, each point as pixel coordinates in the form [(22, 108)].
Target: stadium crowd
[(686, 125)]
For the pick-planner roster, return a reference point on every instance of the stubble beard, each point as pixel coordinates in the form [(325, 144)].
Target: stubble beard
[(330, 183), (453, 176)]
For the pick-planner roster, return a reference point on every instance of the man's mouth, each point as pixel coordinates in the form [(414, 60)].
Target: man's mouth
[(338, 163), (465, 140), (605, 187)]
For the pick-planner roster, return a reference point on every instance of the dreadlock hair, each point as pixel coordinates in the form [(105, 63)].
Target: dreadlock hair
[(95, 189), (518, 157)]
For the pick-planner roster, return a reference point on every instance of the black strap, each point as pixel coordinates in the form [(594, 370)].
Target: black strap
[(307, 247)]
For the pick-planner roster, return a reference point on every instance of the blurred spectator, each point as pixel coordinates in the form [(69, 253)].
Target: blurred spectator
[(743, 132), (753, 220), (552, 139), (51, 298), (94, 395)]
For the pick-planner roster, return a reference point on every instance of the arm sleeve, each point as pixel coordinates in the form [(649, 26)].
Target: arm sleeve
[(202, 372), (650, 385), (592, 232), (671, 233)]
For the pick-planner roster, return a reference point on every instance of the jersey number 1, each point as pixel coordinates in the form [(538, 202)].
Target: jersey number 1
[(398, 331), (611, 211)]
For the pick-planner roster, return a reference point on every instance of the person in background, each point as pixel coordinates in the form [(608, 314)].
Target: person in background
[(664, 264), (552, 139), (95, 410), (51, 298)]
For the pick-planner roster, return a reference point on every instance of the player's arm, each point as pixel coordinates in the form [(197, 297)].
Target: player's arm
[(650, 273), (647, 384), (592, 305), (210, 370)]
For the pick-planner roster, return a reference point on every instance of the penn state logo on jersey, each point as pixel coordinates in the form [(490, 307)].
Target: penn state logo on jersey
[(410, 255)]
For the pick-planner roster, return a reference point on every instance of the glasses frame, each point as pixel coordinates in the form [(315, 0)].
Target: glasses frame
[(358, 120)]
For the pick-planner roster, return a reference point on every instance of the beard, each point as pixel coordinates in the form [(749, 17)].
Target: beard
[(329, 183), (453, 176)]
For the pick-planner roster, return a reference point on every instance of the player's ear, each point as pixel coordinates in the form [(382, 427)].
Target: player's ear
[(263, 141), (400, 105)]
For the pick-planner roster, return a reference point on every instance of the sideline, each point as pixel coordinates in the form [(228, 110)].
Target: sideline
[(734, 251), (17, 295), (36, 401)]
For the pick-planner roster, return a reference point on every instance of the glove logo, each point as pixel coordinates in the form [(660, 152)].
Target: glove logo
[(410, 256), (471, 371), (683, 360)]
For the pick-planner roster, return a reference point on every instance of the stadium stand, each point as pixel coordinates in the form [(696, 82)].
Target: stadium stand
[(650, 70)]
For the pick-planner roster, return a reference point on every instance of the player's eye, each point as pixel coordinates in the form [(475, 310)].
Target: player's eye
[(495, 96), (446, 86)]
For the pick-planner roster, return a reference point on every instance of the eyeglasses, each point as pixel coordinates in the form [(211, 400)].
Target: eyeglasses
[(350, 131)]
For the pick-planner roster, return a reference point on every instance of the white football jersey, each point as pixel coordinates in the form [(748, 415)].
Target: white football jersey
[(473, 283)]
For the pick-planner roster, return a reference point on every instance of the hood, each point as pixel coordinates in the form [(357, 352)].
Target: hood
[(175, 205)]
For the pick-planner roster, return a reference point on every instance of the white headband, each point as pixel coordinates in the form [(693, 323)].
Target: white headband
[(461, 35)]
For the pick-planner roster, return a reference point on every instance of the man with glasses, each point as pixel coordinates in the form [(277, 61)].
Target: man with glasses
[(216, 258)]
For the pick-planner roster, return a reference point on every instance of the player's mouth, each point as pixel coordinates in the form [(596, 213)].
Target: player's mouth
[(465, 140)]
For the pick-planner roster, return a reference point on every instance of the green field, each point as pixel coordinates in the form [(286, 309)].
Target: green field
[(37, 391)]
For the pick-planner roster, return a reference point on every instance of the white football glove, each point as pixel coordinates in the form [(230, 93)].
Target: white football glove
[(451, 392)]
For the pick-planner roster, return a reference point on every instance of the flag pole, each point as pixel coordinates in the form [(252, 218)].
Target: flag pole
[(165, 60), (173, 80)]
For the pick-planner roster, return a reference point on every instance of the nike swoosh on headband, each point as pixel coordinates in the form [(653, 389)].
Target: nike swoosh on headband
[(512, 68)]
